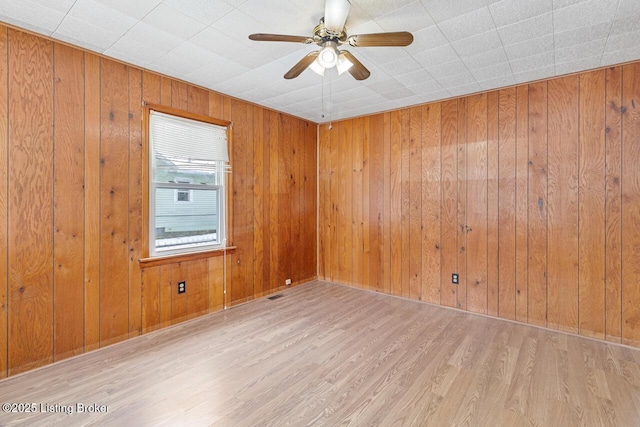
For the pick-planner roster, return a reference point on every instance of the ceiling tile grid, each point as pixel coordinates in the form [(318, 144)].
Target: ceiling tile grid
[(459, 47)]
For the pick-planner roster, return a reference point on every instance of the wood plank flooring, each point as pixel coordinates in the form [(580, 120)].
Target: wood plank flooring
[(326, 354)]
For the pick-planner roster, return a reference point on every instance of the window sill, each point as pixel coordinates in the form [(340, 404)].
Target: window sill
[(191, 256)]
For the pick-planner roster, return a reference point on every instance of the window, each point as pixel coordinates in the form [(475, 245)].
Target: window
[(187, 164)]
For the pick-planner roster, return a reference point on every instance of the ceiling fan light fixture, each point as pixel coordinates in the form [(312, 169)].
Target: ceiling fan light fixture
[(343, 64), (335, 15), (316, 67), (328, 56)]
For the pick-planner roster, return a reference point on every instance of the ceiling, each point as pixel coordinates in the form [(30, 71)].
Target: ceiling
[(460, 46)]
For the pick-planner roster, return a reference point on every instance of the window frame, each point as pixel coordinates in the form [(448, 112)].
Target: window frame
[(224, 197)]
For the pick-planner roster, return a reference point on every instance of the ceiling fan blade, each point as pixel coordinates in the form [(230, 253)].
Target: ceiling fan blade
[(357, 70), (280, 38), (301, 65), (335, 15), (401, 38)]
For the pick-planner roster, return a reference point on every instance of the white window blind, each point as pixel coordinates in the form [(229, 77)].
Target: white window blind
[(188, 144)]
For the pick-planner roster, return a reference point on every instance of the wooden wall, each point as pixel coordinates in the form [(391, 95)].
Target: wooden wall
[(531, 194), (71, 221)]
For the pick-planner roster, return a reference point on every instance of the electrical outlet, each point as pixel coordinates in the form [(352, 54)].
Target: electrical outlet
[(182, 287), (287, 282), (455, 279)]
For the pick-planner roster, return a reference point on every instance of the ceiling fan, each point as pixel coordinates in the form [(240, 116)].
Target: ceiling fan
[(329, 35)]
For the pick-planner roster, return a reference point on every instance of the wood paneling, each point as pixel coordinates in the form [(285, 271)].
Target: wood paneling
[(630, 204), (72, 220), (527, 193), (563, 203), (68, 239), (30, 202)]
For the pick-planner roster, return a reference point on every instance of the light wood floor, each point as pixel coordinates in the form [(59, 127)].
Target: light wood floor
[(330, 355)]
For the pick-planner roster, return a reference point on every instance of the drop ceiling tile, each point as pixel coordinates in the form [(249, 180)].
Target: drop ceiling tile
[(136, 9), (411, 17), (525, 30), (402, 66), (385, 85), (442, 10), (379, 7), (436, 95), (623, 41), (627, 8), (532, 62), (617, 57), (129, 49), (427, 38), (534, 74), (426, 86), (465, 78), (497, 82), (448, 69), (153, 37), (559, 4), (101, 16), (579, 65), (496, 56), (581, 35), (467, 25), (465, 89), (492, 71), (32, 16), (530, 47), (173, 22), (477, 44), (277, 14), (85, 35), (625, 24), (59, 5), (585, 50), (584, 14), (379, 55), (414, 77), (205, 11), (433, 57), (237, 25), (399, 94), (507, 12)]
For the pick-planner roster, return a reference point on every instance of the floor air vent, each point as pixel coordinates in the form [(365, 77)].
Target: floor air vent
[(275, 297)]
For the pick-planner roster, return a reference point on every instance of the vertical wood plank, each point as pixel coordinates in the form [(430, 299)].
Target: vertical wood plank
[(405, 203), (68, 167), (386, 191), (4, 202), (165, 91), (311, 200), (357, 246), (376, 202), (166, 296), (396, 202), (507, 204), (462, 225), (258, 201), (449, 218), (366, 201), (92, 202), (151, 279), (493, 226), (197, 288), (537, 206), (114, 200), (197, 100), (630, 204), (563, 204), (135, 201), (415, 203), (179, 98), (216, 283), (296, 156), (179, 303), (592, 204), (334, 137), (284, 199), (613, 202), (345, 189), (431, 202), (274, 223), (477, 210), (30, 262), (266, 201), (324, 240), (522, 198)]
